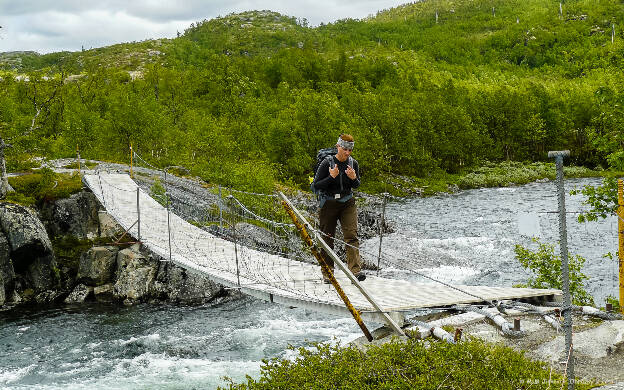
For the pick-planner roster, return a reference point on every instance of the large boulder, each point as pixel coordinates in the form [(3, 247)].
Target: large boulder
[(135, 274), (178, 285), (76, 216), (30, 248), (97, 265)]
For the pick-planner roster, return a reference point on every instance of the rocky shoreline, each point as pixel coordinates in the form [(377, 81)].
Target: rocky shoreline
[(31, 273)]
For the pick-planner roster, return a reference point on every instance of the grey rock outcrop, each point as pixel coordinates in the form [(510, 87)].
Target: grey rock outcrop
[(108, 226), (76, 216), (178, 285), (30, 249), (135, 273), (98, 265)]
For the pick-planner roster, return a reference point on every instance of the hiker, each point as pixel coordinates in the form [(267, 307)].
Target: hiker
[(334, 180)]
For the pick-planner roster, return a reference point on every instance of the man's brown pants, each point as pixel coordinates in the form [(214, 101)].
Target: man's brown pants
[(345, 212)]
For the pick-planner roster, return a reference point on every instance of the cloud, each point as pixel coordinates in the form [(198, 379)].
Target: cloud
[(56, 25)]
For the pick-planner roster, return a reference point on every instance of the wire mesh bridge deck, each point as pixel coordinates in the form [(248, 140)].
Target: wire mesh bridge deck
[(269, 276)]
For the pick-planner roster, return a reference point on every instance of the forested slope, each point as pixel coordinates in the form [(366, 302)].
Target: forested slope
[(247, 99)]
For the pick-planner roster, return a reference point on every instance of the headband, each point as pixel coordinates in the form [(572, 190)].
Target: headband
[(345, 144)]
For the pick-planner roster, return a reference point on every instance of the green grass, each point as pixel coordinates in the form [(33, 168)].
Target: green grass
[(41, 186)]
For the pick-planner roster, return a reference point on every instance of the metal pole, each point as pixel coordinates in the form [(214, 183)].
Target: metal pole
[(236, 254), (138, 217), (168, 216), (621, 241), (344, 268), (565, 271), (78, 155), (220, 211), (381, 225), (131, 156)]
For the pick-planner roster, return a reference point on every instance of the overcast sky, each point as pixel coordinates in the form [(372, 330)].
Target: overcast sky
[(54, 25)]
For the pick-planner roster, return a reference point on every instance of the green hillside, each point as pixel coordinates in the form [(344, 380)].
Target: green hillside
[(248, 98)]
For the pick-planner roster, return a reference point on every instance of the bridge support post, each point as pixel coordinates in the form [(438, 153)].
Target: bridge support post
[(168, 215), (220, 211), (381, 227), (565, 270), (138, 217), (621, 241)]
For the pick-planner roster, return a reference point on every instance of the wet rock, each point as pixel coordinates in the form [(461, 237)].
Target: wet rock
[(76, 216), (47, 296), (42, 273), (135, 273), (97, 265), (104, 293), (79, 294)]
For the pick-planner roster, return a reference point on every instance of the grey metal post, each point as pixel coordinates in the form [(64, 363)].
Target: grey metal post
[(138, 217), (168, 215), (563, 243), (220, 211), (381, 225), (236, 254), (612, 32)]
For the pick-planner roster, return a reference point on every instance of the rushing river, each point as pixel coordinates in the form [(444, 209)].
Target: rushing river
[(464, 238)]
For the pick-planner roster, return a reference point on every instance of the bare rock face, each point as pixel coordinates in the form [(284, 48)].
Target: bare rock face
[(76, 216), (135, 274), (30, 249), (97, 265), (108, 226)]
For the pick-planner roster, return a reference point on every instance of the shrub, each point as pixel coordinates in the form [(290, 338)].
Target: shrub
[(547, 269), (411, 364)]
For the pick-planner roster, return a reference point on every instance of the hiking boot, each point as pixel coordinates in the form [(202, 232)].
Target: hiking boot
[(360, 276)]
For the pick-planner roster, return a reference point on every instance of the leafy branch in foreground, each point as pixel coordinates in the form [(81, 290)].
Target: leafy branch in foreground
[(546, 266), (602, 199)]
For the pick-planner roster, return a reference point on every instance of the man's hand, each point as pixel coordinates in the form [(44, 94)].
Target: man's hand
[(351, 172), (333, 172)]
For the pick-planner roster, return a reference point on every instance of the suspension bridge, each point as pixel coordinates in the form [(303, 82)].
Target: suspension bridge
[(272, 275)]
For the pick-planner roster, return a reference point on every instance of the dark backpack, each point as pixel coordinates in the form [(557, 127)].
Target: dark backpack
[(321, 155)]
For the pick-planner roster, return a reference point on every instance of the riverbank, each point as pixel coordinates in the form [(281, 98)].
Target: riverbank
[(489, 174)]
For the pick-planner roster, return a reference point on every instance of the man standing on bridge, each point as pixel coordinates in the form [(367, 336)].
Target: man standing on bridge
[(336, 177)]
